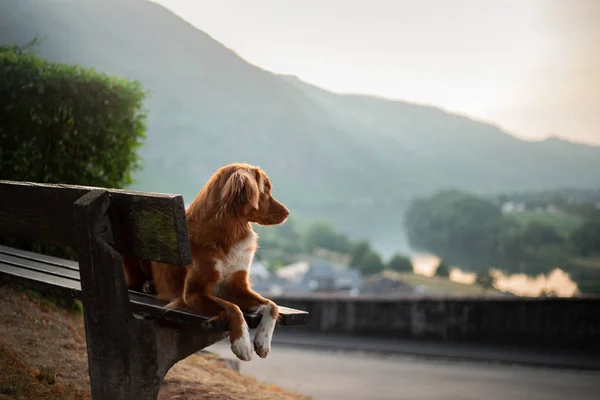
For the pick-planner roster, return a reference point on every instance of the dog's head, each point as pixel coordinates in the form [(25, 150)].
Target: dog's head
[(245, 190)]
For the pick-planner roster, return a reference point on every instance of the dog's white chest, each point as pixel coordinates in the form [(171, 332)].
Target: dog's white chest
[(239, 258)]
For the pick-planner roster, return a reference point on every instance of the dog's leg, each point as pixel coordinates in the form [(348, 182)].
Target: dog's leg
[(148, 287), (135, 275), (239, 335), (250, 301)]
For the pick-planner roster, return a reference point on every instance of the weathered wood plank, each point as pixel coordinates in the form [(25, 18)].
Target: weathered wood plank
[(291, 316), (62, 276), (148, 226), (106, 308)]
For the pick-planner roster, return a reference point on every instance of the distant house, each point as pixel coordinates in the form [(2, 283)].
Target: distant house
[(513, 206)]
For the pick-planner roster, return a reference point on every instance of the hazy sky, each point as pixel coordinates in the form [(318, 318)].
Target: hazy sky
[(530, 66)]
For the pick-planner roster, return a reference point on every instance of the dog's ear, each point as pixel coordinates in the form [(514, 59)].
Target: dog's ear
[(241, 187)]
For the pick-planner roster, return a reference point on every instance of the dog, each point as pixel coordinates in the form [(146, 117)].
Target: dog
[(222, 244)]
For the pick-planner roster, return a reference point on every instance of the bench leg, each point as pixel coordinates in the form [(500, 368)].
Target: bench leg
[(106, 309), (127, 357), (158, 349)]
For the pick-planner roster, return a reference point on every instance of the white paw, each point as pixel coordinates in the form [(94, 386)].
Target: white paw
[(242, 347), (264, 333)]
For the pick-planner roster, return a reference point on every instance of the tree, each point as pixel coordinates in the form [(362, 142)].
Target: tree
[(400, 263), (586, 238), (469, 231), (485, 279), (285, 237), (537, 234), (64, 123), (365, 259), (442, 270), (359, 251), (321, 234), (457, 226), (370, 264)]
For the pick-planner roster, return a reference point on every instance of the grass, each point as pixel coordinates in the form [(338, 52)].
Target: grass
[(563, 223), (439, 285), (588, 262), (18, 381), (55, 303)]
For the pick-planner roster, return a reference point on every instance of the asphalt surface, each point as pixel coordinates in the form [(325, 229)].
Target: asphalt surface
[(437, 349), (312, 366)]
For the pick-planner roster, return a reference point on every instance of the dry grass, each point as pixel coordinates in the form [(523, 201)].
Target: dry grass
[(43, 356), (18, 381)]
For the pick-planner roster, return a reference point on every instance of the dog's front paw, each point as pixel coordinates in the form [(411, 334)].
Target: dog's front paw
[(263, 335), (262, 342), (242, 346)]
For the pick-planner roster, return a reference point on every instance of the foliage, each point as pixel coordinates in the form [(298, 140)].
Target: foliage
[(457, 226), (370, 263), (67, 124), (400, 263), (586, 273), (539, 233), (359, 252), (322, 234), (63, 123), (485, 279), (442, 270), (564, 224), (472, 232), (280, 244), (586, 239)]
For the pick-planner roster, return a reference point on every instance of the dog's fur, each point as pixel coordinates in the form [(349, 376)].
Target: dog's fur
[(222, 244)]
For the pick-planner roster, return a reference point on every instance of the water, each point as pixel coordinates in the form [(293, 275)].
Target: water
[(557, 281)]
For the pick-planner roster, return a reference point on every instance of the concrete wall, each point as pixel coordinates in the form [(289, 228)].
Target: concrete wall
[(540, 322)]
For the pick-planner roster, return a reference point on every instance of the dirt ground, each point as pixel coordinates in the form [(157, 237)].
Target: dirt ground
[(43, 356)]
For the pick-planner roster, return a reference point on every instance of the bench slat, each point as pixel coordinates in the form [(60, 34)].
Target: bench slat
[(32, 265), (40, 271), (148, 226)]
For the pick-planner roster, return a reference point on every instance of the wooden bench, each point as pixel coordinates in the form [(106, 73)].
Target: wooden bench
[(132, 340)]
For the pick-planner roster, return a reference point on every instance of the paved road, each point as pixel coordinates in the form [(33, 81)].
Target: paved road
[(438, 349), (332, 375)]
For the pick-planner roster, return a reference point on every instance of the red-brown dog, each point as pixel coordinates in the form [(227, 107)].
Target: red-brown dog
[(222, 244)]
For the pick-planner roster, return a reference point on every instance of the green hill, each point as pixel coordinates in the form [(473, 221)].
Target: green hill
[(353, 159)]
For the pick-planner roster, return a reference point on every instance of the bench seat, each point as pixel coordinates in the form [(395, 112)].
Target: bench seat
[(39, 270)]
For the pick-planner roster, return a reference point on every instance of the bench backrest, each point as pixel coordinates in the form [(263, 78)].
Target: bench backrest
[(149, 226)]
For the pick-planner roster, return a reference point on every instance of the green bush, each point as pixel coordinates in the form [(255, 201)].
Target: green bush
[(442, 270), (400, 263), (63, 123), (370, 263), (586, 239)]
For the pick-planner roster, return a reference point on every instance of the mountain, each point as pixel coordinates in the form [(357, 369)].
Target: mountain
[(354, 159)]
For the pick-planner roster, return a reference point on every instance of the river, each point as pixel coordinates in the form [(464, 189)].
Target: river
[(556, 281)]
